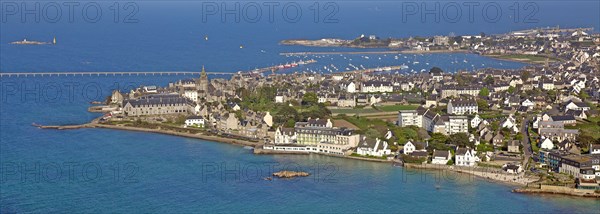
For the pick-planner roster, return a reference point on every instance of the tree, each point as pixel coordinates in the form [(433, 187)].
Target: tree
[(482, 104), (525, 75), (519, 136), (585, 139), (484, 147), (489, 80), (290, 123), (285, 113), (459, 139), (495, 126), (310, 98), (406, 132), (552, 95), (372, 133), (436, 70), (458, 39), (511, 89), (438, 138), (583, 95), (484, 92)]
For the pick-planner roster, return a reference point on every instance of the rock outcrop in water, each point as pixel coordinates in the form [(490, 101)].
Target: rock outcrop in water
[(290, 174)]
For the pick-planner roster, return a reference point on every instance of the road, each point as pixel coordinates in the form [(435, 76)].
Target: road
[(527, 150)]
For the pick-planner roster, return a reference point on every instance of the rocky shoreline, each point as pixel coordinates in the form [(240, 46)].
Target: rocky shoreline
[(558, 191)]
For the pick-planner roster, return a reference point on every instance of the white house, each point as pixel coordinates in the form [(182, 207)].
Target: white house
[(510, 123), (441, 157), (410, 147), (285, 136), (466, 157), (462, 106), (236, 107), (372, 147), (512, 168), (547, 144), (279, 98), (192, 94), (194, 121), (475, 121), (594, 148), (577, 106), (150, 89), (377, 86), (351, 88), (527, 103), (389, 135)]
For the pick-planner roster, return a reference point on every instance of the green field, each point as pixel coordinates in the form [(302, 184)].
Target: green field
[(351, 111), (398, 107), (590, 128), (525, 58)]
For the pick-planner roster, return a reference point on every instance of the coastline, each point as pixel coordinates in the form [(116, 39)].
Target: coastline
[(480, 172), (257, 149), (515, 180)]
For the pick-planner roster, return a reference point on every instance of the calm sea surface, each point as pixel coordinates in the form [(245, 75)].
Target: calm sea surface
[(95, 170)]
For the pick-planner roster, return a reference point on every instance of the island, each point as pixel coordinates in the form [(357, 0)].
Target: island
[(290, 174), (31, 42)]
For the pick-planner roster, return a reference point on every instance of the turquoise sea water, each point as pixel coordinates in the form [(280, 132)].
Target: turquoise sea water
[(95, 170)]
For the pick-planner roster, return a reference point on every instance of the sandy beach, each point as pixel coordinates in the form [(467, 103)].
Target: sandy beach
[(492, 174)]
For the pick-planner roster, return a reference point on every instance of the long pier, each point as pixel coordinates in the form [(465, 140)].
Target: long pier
[(378, 69), (108, 73), (136, 73), (373, 52)]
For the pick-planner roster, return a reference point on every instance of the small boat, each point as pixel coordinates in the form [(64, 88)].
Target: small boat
[(206, 38), (268, 178)]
